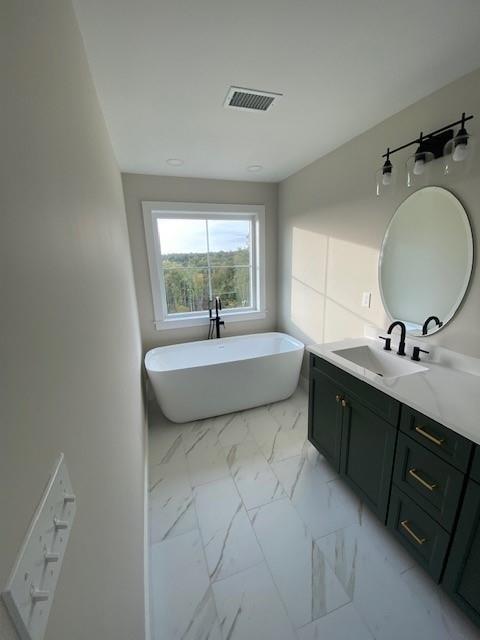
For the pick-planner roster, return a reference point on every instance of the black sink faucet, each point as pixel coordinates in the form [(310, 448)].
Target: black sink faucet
[(215, 321), (427, 322), (403, 334), (416, 353)]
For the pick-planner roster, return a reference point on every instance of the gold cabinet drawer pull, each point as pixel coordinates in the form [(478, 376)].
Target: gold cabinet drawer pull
[(418, 478), (438, 441), (406, 525)]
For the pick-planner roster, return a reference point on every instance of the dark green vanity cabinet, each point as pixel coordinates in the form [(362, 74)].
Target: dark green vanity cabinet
[(462, 574), (367, 452), (433, 483), (429, 481), (324, 423), (436, 438), (419, 477), (475, 472), (355, 427), (424, 538)]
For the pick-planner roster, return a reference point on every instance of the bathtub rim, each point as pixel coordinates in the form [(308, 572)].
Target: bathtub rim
[(298, 346)]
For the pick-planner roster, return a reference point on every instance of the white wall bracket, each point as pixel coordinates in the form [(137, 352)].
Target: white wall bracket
[(29, 593)]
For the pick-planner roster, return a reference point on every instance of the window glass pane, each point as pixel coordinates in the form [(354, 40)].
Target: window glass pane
[(232, 284), (186, 290), (183, 242), (229, 242)]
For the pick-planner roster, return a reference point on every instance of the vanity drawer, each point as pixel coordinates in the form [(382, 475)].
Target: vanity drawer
[(433, 483), (426, 540), (475, 470), (442, 441), (384, 406)]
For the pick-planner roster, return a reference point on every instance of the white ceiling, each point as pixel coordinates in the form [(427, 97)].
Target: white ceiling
[(162, 69)]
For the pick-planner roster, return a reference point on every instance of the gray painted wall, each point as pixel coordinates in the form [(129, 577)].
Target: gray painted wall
[(138, 187), (70, 348), (331, 226)]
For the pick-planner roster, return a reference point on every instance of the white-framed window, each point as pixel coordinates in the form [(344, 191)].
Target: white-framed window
[(199, 251)]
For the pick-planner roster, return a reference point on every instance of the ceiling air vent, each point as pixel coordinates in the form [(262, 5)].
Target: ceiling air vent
[(249, 99)]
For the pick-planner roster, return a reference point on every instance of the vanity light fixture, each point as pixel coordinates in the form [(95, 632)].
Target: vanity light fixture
[(459, 150), (421, 158), (417, 164), (439, 143), (386, 175), (387, 171)]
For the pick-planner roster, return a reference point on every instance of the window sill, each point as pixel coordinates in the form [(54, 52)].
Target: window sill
[(202, 320)]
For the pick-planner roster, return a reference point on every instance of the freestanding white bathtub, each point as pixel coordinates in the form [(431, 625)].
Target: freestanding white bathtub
[(198, 380)]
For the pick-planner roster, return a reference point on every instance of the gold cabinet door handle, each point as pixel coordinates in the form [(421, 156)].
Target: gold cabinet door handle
[(414, 473), (406, 525), (338, 398), (344, 403), (438, 441)]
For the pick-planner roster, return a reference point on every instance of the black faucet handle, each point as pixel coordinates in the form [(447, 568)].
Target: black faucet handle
[(416, 353), (388, 343)]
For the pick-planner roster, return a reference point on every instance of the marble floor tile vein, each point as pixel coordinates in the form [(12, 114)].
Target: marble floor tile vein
[(234, 431), (182, 601), (229, 542), (170, 498), (249, 607), (286, 413), (307, 585), (255, 480), (275, 442), (342, 624), (205, 455)]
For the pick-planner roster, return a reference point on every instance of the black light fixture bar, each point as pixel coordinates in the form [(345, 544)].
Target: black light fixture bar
[(429, 135)]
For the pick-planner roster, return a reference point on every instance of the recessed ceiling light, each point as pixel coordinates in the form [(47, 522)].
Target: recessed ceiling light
[(254, 168), (175, 162)]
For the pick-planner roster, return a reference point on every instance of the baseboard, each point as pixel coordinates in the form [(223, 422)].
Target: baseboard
[(146, 559)]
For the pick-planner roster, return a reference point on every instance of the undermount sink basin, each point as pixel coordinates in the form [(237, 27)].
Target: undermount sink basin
[(381, 363)]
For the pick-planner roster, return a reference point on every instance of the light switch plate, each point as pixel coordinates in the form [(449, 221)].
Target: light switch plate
[(29, 593), (366, 298)]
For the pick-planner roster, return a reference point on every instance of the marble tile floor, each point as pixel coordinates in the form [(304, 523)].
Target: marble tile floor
[(253, 536)]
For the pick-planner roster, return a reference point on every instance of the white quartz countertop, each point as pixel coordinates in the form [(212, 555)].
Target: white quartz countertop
[(448, 391)]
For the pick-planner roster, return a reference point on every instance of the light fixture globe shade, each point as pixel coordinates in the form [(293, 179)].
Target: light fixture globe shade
[(458, 153), (461, 152), (385, 177), (418, 167)]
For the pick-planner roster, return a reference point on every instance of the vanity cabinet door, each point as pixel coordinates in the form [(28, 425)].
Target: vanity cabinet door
[(475, 470), (324, 416), (367, 452), (462, 574)]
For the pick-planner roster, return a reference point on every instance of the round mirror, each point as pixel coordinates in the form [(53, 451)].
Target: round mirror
[(426, 260)]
